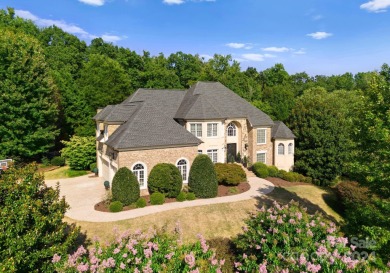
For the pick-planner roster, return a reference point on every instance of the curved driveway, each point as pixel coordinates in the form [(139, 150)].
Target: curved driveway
[(83, 192)]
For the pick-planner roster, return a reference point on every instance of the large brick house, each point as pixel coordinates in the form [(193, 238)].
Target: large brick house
[(174, 126)]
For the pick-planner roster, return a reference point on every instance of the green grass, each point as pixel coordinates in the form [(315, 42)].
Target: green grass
[(64, 172)]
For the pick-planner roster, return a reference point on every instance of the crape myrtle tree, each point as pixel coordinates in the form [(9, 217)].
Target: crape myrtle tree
[(28, 104), (31, 222)]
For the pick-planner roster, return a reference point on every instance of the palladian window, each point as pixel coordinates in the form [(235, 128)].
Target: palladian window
[(182, 166), (139, 172), (231, 129)]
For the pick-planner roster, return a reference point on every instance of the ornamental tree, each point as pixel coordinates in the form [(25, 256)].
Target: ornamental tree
[(31, 222), (80, 152)]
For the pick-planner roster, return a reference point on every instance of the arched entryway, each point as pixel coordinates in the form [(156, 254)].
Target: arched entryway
[(233, 140)]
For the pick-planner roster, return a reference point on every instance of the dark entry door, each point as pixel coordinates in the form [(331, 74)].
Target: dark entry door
[(231, 151)]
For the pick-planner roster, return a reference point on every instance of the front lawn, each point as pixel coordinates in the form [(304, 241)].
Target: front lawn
[(63, 172)]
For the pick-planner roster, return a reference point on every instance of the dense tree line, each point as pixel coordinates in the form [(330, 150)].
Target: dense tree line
[(51, 84)]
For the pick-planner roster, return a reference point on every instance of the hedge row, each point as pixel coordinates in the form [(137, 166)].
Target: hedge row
[(261, 170)]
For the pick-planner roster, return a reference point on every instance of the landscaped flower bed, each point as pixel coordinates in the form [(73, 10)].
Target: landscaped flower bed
[(223, 190)]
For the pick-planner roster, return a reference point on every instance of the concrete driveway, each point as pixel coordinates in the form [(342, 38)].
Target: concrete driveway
[(83, 192)]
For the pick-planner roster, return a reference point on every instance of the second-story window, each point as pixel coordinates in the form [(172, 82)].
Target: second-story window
[(196, 129), (261, 136), (212, 129), (231, 129)]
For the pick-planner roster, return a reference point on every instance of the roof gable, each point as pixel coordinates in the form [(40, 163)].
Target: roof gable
[(281, 131)]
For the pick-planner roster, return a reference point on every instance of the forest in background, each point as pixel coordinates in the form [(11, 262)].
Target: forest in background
[(51, 84)]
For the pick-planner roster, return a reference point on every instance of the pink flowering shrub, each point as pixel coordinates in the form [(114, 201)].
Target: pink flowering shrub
[(287, 239), (141, 252)]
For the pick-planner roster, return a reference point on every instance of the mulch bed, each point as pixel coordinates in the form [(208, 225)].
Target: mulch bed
[(278, 182), (222, 191)]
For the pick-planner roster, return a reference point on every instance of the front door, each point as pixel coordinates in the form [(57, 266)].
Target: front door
[(231, 152)]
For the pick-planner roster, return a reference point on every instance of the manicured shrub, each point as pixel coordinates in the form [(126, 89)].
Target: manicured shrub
[(92, 167), (165, 178), (58, 161), (191, 196), (203, 178), (272, 171), (281, 174), (229, 174), (153, 251), (260, 170), (125, 187), (141, 203), (157, 198), (116, 206), (181, 197), (288, 239)]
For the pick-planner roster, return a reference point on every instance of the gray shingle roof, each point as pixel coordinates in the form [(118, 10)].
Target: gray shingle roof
[(212, 100), (103, 113), (150, 127), (281, 131)]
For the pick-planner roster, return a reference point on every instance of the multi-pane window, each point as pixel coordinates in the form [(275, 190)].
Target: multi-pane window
[(213, 154), (200, 152), (196, 129), (281, 149), (212, 129), (139, 172), (231, 129), (182, 166), (261, 136), (290, 149), (261, 157)]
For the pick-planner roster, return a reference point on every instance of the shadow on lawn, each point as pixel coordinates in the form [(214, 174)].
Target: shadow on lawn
[(283, 196)]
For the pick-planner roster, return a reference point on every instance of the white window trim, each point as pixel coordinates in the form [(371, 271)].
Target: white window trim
[(188, 167), (207, 129), (257, 136), (284, 149), (290, 151), (265, 156), (145, 174), (233, 127), (217, 152), (196, 128)]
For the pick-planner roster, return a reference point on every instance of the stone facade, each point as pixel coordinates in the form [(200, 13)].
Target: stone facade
[(149, 158), (254, 148)]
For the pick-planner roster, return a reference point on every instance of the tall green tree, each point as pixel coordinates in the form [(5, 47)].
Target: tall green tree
[(322, 122), (31, 222), (28, 103)]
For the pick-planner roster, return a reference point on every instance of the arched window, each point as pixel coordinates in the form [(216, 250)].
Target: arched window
[(182, 166), (231, 129), (139, 172), (290, 149), (281, 149)]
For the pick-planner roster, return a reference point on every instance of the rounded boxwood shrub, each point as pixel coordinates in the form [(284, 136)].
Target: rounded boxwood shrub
[(57, 161), (125, 187), (203, 178), (157, 198), (229, 174), (165, 178), (181, 197), (116, 206), (141, 203), (260, 170), (273, 171), (191, 196)]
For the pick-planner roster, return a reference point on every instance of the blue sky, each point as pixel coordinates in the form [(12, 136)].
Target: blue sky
[(316, 36)]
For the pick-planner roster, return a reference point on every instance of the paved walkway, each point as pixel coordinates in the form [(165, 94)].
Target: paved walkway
[(83, 192)]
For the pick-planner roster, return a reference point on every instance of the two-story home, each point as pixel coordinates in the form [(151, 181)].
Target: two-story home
[(173, 126)]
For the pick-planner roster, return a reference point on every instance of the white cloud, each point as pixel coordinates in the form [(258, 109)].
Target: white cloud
[(112, 38), (239, 45), (70, 28), (93, 2), (276, 49), (173, 2), (319, 35), (376, 5), (206, 57), (256, 57), (300, 52), (317, 17)]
